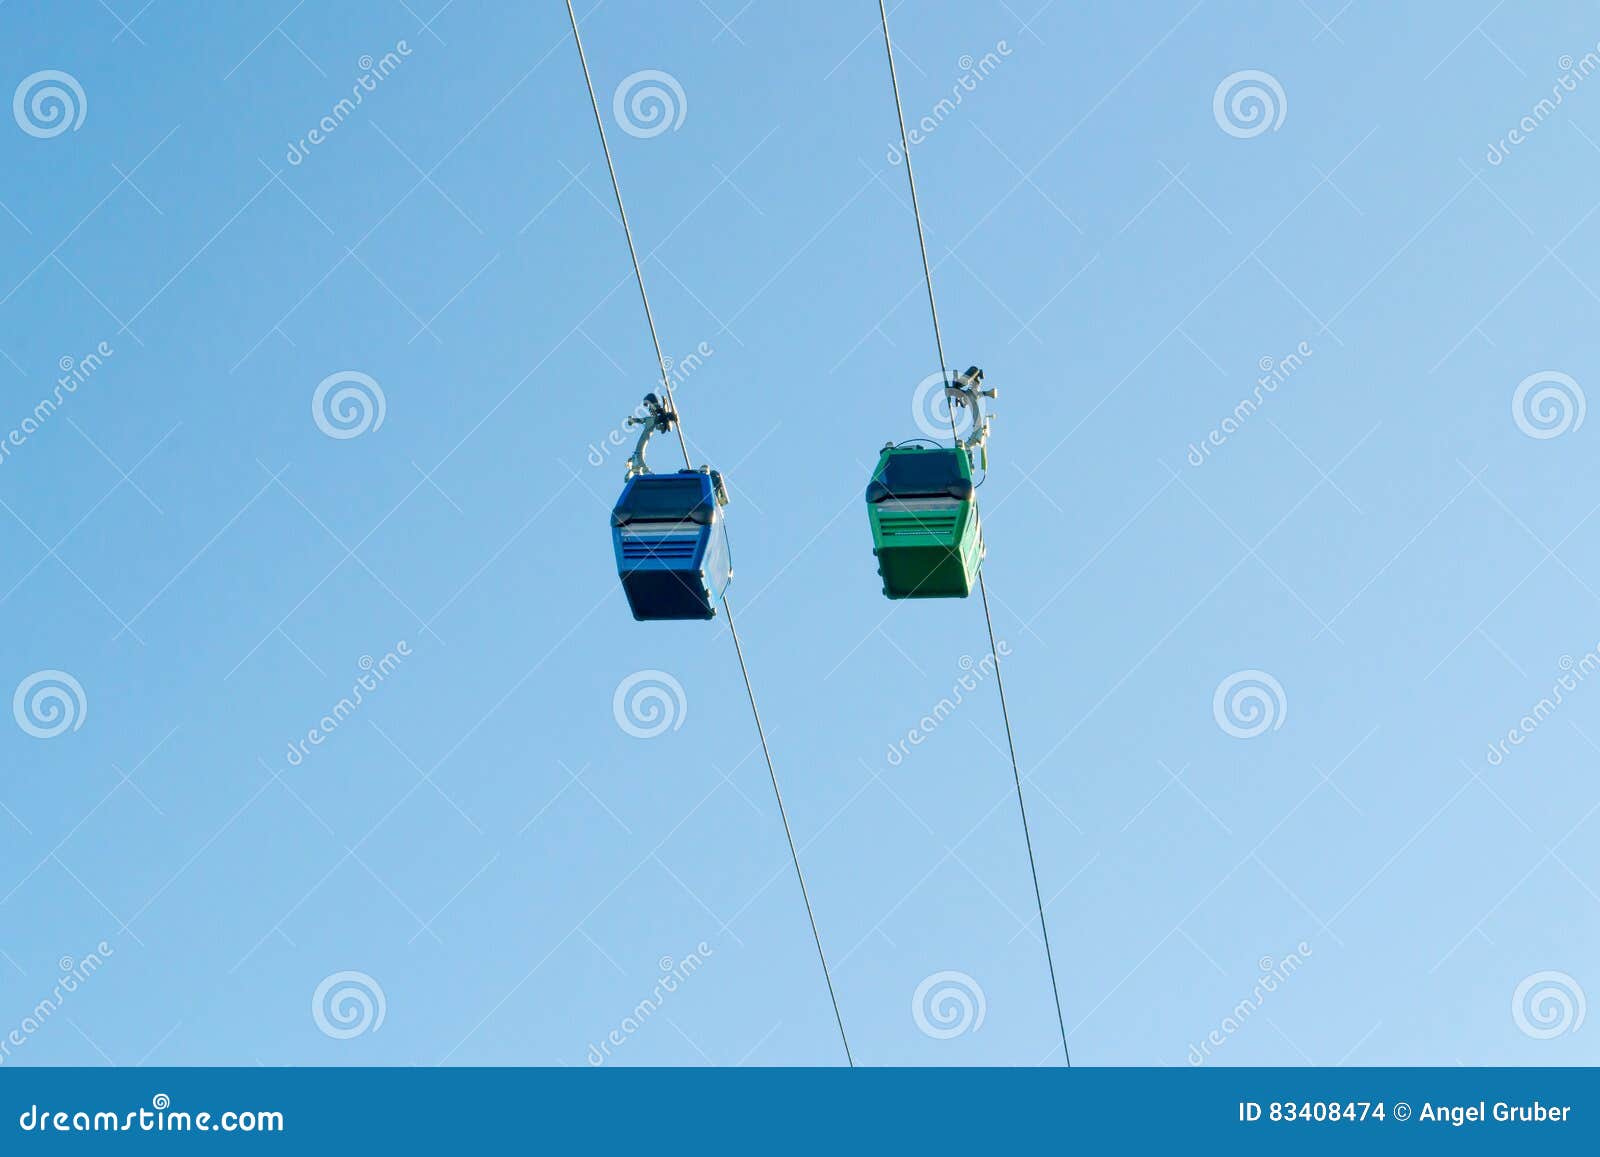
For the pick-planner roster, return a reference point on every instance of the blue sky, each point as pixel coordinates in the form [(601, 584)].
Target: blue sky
[(1395, 534)]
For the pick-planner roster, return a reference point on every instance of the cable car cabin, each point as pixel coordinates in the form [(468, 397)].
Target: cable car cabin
[(924, 522), (672, 544)]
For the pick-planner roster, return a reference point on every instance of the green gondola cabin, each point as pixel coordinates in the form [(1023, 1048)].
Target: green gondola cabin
[(925, 528), (923, 504)]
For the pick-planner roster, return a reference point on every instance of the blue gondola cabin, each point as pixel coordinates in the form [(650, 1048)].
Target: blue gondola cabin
[(671, 544)]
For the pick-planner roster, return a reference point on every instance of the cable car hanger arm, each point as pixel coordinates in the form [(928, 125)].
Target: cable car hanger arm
[(964, 391), (656, 419)]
